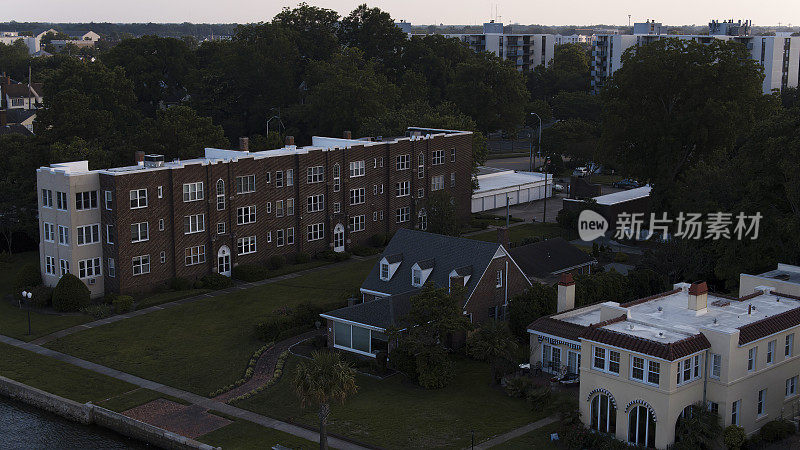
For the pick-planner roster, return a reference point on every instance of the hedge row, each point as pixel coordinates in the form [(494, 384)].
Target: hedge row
[(275, 377), (251, 366)]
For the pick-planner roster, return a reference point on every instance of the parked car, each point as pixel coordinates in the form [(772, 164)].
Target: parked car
[(558, 188), (625, 184), (580, 172)]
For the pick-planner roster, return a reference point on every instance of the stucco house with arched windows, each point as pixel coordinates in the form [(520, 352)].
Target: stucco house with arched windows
[(641, 364)]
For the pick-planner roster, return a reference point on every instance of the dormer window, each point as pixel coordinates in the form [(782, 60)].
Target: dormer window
[(384, 271), (416, 277), (389, 265)]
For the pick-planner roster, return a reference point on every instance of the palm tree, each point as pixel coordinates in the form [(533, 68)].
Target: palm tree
[(494, 343), (323, 380), (698, 428)]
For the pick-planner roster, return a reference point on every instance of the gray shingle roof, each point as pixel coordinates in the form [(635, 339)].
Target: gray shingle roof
[(448, 253), (542, 259), (381, 312)]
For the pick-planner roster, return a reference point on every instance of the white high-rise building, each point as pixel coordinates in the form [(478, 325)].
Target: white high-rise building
[(780, 55)]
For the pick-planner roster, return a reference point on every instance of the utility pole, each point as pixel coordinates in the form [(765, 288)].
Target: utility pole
[(539, 144), (544, 212), (629, 20)]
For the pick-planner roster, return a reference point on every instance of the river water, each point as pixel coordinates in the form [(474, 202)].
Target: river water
[(26, 427)]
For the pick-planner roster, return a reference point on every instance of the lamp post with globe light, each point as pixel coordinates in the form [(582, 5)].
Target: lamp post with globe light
[(26, 297)]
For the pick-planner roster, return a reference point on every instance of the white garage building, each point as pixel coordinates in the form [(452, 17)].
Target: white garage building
[(495, 185)]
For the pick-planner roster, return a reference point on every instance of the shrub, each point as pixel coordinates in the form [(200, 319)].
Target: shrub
[(363, 250), (529, 240), (180, 284), (734, 437), (70, 294), (42, 296), (377, 240), (28, 276), (539, 396), (777, 430), (98, 311), (403, 361), (330, 255), (435, 369), (301, 258), (216, 281), (283, 324), (518, 387), (620, 257), (276, 262), (249, 272), (198, 284), (123, 304)]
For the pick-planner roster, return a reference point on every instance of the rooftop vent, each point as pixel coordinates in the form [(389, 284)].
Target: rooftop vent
[(154, 160), (782, 276)]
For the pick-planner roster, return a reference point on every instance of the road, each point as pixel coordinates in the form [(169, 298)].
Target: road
[(520, 163)]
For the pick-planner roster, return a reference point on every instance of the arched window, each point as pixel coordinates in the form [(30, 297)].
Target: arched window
[(603, 416), (641, 426), (422, 220), (220, 195), (336, 178)]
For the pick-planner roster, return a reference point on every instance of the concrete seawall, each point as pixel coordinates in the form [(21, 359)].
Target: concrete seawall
[(88, 414)]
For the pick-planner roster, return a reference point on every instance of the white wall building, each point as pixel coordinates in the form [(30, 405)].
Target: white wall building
[(10, 37), (779, 55), (497, 185)]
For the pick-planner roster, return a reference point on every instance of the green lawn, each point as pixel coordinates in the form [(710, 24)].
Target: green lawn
[(242, 434), (168, 296), (519, 232), (393, 413), (57, 377), (204, 345), (132, 399), (536, 439), (604, 179), (13, 320)]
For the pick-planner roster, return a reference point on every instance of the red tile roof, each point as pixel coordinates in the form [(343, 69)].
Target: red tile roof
[(555, 327), (769, 325), (670, 351)]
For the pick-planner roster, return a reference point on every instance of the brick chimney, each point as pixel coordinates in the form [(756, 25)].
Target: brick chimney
[(566, 292), (139, 158), (348, 135), (698, 296), (289, 141), (502, 237), (244, 143)]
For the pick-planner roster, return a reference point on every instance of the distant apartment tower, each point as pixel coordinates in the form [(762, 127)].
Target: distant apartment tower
[(779, 55), (132, 229)]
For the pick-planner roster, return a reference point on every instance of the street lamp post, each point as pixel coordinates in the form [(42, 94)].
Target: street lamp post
[(26, 296), (538, 144)]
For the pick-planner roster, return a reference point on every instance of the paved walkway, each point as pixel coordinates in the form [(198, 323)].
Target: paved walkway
[(265, 366), (206, 403), (238, 287), (516, 433)]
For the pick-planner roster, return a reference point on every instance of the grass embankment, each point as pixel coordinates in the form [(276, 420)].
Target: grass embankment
[(204, 345)]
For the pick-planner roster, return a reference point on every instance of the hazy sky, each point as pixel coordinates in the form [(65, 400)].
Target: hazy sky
[(548, 12)]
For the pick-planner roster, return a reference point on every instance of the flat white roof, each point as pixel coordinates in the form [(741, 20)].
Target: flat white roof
[(623, 196), (508, 179)]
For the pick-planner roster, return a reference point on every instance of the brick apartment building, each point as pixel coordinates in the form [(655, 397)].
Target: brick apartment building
[(130, 229)]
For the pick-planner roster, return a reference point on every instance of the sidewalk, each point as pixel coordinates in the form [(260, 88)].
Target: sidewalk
[(206, 403), (516, 433)]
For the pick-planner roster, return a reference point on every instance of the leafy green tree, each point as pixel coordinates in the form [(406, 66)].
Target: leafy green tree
[(734, 437), (542, 108), (441, 211), (569, 71), (15, 59), (322, 380), (374, 32), (674, 103), (493, 342), (179, 132), (70, 294), (699, 428), (573, 137), (159, 68), (435, 57), (678, 260), (537, 301), (313, 30), (577, 105)]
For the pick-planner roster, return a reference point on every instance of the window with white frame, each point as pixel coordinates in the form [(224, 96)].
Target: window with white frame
[(88, 234), (112, 268), (245, 214), (499, 278), (315, 174), (267, 177), (689, 369), (337, 208), (220, 227), (421, 193), (653, 372), (160, 224), (279, 238), (403, 189), (452, 155), (337, 178), (613, 362), (357, 223), (403, 162), (194, 255), (50, 265), (109, 234), (289, 206), (421, 166), (88, 268), (138, 198), (194, 223), (63, 235), (140, 232), (637, 368), (384, 271), (696, 366), (791, 386), (315, 203), (437, 157), (245, 184), (357, 196), (735, 406), (356, 169), (47, 198), (290, 236), (416, 277), (716, 365), (289, 177), (751, 359), (599, 360), (762, 401), (160, 192), (402, 214), (163, 257), (246, 245), (109, 200), (48, 232), (788, 345), (269, 207), (437, 183), (279, 208), (278, 178), (193, 191), (63, 264), (220, 195), (269, 236), (452, 180), (771, 351), (141, 264), (422, 220), (315, 231), (61, 200), (85, 200)]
